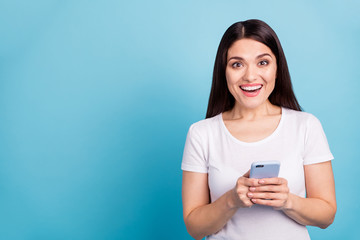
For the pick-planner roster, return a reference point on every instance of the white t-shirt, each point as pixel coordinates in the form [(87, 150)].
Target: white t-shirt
[(297, 141)]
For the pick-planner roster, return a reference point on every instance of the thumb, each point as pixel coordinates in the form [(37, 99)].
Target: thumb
[(247, 174)]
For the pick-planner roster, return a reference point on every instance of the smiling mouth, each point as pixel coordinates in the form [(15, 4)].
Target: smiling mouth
[(251, 89)]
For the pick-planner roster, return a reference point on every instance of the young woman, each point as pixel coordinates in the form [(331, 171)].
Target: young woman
[(253, 115)]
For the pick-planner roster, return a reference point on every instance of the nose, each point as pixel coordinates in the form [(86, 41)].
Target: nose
[(251, 73)]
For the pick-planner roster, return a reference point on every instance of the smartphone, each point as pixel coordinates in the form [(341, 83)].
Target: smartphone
[(266, 169)]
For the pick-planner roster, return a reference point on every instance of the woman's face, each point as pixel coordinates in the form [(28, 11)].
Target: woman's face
[(250, 72)]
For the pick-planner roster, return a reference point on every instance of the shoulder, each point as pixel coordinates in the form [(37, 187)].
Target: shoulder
[(202, 127), (302, 118)]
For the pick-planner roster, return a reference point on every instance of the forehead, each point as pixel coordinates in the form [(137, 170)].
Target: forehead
[(248, 48)]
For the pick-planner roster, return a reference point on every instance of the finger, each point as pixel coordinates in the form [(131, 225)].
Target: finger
[(248, 203), (268, 188), (241, 191), (243, 182), (274, 181), (271, 188), (264, 195), (247, 174), (251, 182), (243, 198)]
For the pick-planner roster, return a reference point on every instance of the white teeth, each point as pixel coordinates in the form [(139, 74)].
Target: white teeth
[(251, 88)]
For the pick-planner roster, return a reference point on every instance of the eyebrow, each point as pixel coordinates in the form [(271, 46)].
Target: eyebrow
[(259, 56)]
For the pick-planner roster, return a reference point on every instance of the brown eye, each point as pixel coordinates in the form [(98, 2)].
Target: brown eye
[(236, 65), (263, 63)]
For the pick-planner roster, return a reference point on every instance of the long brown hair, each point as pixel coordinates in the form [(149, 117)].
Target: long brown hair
[(220, 99)]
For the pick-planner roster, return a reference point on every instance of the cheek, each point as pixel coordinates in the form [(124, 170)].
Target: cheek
[(232, 85), (270, 76), (270, 85), (229, 78), (232, 77)]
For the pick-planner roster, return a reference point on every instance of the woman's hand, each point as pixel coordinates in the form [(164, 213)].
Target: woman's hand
[(272, 192), (239, 196)]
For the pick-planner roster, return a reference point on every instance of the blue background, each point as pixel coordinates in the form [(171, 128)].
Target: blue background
[(96, 98)]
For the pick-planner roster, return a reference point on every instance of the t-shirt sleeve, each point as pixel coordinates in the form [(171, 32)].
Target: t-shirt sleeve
[(316, 145), (194, 159)]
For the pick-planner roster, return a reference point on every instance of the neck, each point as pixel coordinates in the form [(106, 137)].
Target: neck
[(241, 112)]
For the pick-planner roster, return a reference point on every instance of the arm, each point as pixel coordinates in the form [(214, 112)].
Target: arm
[(317, 209), (203, 218)]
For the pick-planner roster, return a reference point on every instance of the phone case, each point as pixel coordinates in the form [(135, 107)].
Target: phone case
[(265, 169)]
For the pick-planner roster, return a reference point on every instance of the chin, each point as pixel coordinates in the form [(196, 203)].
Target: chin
[(251, 105)]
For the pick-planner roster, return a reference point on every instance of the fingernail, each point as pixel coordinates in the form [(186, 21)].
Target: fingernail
[(250, 194), (252, 189), (261, 181)]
